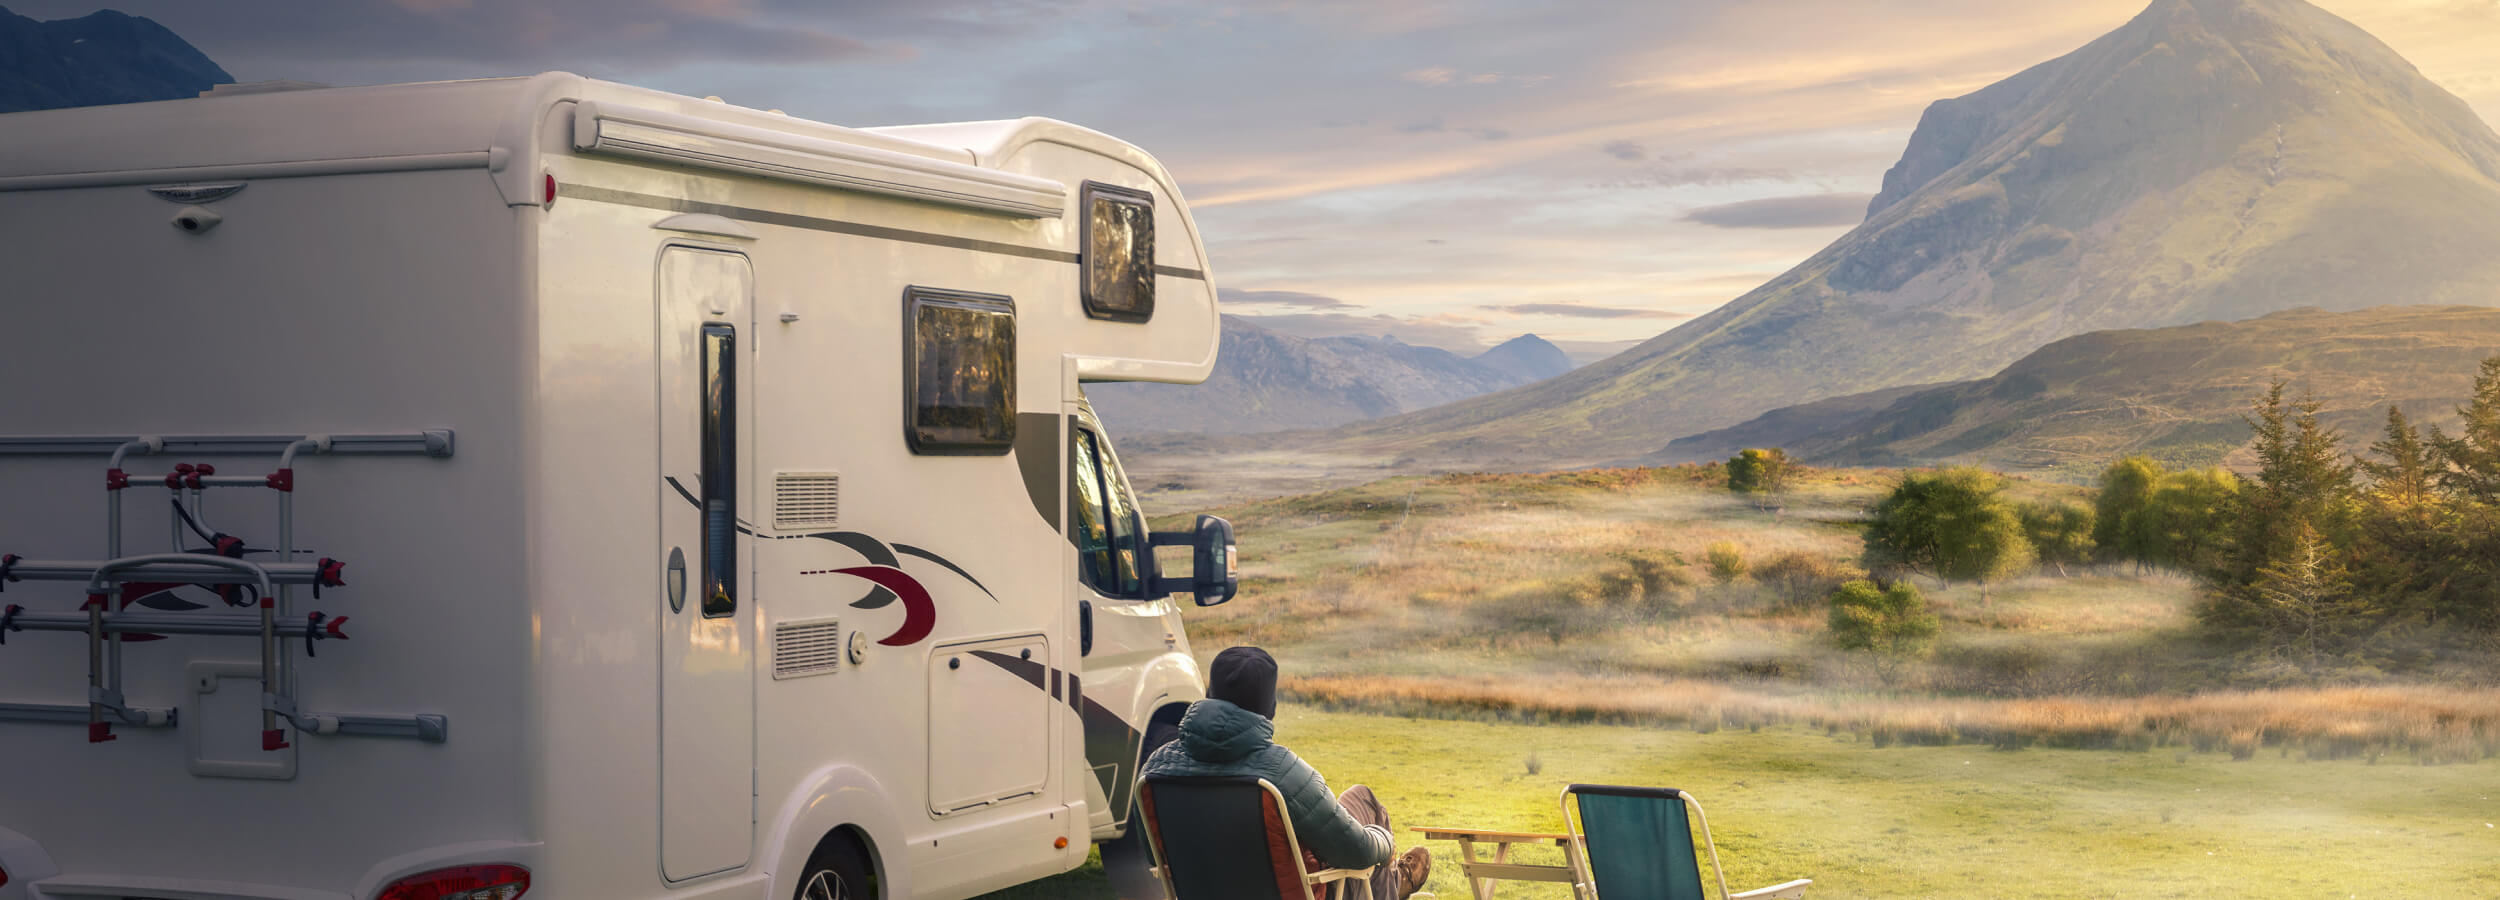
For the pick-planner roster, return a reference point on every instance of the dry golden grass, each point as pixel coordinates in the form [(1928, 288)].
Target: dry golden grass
[(2431, 724), (1586, 596)]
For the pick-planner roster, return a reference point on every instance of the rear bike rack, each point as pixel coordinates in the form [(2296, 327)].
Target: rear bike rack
[(275, 622)]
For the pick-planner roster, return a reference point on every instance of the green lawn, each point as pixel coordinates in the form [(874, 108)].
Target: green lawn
[(1959, 821)]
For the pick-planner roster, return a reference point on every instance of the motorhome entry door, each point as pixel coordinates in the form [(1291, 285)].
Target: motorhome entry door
[(705, 562)]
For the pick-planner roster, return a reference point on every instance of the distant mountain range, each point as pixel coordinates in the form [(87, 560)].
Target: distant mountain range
[(2210, 160), (2176, 394), (104, 57), (1268, 381)]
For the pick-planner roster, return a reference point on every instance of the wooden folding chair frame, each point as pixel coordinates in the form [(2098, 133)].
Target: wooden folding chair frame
[(1482, 875), (1586, 887), (1360, 879)]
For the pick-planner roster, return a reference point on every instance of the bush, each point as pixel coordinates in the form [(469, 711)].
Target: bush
[(1799, 579), (1762, 473), (1892, 620), (1952, 524), (1727, 561)]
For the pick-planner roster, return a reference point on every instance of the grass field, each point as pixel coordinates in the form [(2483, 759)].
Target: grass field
[(1467, 644), (1951, 821)]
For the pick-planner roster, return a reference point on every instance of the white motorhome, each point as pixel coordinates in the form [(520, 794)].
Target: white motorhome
[(550, 487)]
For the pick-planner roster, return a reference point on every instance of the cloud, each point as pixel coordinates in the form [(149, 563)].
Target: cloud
[(1237, 297), (1674, 176), (1578, 311), (1443, 76), (1432, 75), (1626, 150), (1426, 126), (1802, 211), (1487, 134)]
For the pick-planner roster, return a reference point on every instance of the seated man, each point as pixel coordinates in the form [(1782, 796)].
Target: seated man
[(1232, 733)]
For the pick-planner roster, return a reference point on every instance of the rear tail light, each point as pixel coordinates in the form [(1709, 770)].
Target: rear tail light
[(489, 882)]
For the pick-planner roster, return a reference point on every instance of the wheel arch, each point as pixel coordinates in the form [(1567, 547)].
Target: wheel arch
[(836, 803)]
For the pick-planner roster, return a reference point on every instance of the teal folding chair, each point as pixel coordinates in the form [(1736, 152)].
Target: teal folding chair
[(1636, 843)]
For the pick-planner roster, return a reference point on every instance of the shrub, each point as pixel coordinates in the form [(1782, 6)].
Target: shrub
[(1891, 620), (1798, 579), (1727, 561), (1950, 523), (1761, 473)]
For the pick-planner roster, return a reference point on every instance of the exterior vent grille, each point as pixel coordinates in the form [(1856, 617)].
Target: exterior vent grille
[(803, 500), (806, 647)]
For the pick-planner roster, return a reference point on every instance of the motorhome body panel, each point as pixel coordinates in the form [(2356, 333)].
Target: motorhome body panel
[(521, 587), (318, 305)]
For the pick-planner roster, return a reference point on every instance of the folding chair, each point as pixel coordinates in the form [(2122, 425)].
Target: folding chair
[(1635, 843), (1227, 837)]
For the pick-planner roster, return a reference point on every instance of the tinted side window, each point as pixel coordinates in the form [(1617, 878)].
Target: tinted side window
[(720, 471), (959, 372), (1128, 538), (1104, 525), (1086, 528), (1119, 253)]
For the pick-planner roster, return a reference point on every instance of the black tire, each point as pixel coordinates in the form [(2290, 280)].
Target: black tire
[(838, 871), (1128, 861)]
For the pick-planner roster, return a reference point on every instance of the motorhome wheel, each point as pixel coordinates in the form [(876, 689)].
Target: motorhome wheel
[(838, 871)]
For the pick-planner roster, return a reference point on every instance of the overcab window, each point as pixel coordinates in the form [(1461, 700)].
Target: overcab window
[(1119, 253), (959, 372)]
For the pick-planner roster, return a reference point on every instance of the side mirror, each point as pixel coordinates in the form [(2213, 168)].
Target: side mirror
[(1216, 574)]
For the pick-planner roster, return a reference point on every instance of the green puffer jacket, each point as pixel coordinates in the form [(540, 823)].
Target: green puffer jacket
[(1218, 738)]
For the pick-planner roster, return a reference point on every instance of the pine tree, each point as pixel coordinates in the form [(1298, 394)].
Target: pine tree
[(2302, 483), (2471, 460), (2406, 535), (2307, 602), (2466, 570), (2405, 473)]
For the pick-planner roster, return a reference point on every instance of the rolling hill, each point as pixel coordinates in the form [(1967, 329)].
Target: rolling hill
[(103, 57), (2209, 160), (2176, 394), (1268, 381)]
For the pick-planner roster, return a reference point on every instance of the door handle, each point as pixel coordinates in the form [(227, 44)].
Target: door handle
[(676, 579)]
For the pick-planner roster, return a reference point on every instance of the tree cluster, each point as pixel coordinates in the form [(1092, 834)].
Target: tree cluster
[(2317, 553), (1953, 525)]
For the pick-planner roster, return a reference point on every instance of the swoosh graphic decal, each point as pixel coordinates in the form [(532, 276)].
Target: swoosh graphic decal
[(876, 598), (919, 610), (951, 567), (1101, 724), (742, 526)]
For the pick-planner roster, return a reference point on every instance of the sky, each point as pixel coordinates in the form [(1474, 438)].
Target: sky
[(1449, 172)]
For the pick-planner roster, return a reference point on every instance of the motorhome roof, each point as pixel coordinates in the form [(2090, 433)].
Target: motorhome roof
[(452, 122)]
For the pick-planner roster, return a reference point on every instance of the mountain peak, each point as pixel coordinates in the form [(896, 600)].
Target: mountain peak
[(2206, 160), (1528, 357), (103, 57)]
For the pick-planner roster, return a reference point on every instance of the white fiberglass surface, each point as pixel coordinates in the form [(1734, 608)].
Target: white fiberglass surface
[(707, 715)]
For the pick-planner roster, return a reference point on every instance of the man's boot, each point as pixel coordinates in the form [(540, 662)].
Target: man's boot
[(1413, 869)]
